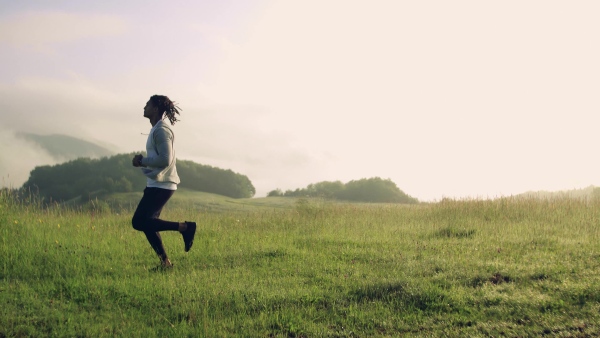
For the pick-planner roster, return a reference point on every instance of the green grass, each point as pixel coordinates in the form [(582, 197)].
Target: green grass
[(305, 268), (202, 202)]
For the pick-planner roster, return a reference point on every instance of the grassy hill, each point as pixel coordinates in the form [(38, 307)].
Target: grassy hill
[(584, 193), (306, 268), (202, 202), (63, 147)]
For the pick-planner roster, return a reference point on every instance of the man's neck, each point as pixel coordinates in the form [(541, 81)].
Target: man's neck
[(154, 121)]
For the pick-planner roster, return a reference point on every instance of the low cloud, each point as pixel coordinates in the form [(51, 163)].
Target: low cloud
[(72, 107), (242, 139), (18, 158), (39, 29)]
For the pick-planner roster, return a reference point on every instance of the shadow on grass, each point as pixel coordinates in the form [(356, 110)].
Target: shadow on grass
[(401, 296), (495, 279), (452, 232)]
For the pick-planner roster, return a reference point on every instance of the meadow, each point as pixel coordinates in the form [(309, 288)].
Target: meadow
[(282, 267)]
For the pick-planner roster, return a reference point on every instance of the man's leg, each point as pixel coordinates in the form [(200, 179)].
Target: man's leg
[(146, 219)]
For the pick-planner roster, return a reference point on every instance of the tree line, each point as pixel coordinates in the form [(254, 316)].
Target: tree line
[(85, 177), (375, 190)]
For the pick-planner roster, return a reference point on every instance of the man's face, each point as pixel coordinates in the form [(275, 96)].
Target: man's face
[(150, 110)]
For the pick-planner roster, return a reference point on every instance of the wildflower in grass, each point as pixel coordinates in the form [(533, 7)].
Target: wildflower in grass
[(16, 222), (59, 226)]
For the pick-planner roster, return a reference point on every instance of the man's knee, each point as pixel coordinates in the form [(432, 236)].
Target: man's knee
[(137, 223)]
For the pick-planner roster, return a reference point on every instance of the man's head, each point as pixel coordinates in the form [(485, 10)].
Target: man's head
[(159, 106)]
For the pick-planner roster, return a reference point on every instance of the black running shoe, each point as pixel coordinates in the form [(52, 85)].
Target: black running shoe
[(188, 235)]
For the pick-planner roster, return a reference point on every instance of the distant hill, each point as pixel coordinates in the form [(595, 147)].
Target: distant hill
[(369, 190), (584, 193), (63, 147), (86, 178)]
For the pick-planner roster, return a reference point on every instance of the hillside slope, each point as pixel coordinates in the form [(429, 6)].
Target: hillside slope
[(199, 201), (63, 147), (584, 193)]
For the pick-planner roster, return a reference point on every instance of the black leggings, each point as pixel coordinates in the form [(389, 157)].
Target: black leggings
[(146, 219)]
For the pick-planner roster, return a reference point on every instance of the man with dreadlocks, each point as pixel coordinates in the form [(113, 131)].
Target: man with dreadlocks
[(162, 178)]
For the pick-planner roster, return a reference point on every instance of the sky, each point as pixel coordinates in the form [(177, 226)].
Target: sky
[(458, 99)]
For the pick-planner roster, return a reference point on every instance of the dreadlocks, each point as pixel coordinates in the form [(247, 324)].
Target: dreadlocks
[(166, 106)]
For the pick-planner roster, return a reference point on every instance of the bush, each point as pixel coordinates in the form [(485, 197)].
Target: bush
[(374, 190), (275, 193)]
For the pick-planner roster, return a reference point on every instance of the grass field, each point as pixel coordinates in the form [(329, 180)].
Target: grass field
[(305, 268)]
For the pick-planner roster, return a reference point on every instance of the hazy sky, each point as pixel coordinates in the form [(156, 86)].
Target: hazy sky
[(446, 98)]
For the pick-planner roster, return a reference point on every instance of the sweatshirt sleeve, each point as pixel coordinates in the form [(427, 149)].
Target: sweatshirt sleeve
[(163, 143)]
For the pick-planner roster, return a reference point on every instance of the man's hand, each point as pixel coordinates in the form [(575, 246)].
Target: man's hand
[(137, 160)]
